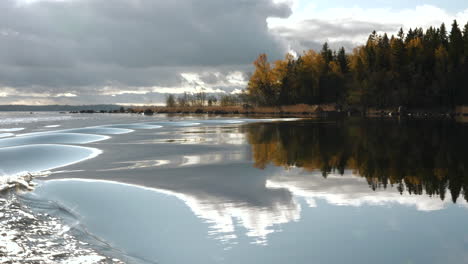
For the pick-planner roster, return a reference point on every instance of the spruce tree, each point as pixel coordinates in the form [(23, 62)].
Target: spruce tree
[(465, 40), (326, 53), (455, 45), (343, 60), (443, 35)]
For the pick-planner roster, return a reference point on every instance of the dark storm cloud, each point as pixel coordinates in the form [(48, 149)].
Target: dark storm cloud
[(63, 45), (312, 33), (137, 33)]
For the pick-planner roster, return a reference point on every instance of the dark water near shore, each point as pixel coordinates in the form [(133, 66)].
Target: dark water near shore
[(178, 189)]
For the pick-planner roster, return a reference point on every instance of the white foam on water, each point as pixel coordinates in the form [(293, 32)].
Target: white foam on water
[(27, 237), (23, 181), (52, 126)]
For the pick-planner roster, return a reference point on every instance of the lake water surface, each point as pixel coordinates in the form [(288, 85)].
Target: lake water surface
[(196, 189)]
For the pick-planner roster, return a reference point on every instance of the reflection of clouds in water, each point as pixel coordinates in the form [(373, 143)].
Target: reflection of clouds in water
[(175, 124), (222, 121), (139, 164), (349, 190), (182, 141), (220, 135), (189, 139), (179, 161), (134, 126), (191, 160), (224, 216), (214, 158)]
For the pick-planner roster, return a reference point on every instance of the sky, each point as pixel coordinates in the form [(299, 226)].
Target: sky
[(136, 52)]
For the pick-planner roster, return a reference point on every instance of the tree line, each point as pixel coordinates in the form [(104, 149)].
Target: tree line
[(201, 99), (417, 69)]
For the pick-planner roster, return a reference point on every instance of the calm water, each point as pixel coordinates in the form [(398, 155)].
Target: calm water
[(168, 189)]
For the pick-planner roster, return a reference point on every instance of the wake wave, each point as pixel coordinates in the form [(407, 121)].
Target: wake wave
[(29, 237)]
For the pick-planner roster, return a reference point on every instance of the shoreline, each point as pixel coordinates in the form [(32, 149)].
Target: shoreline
[(300, 111)]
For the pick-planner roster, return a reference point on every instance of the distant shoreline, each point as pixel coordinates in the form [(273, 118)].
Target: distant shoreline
[(299, 110), (304, 111)]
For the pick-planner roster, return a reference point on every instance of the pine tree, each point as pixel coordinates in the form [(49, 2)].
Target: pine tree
[(343, 60), (455, 45), (465, 41), (441, 75), (326, 53), (443, 35), (383, 53), (410, 36), (401, 34)]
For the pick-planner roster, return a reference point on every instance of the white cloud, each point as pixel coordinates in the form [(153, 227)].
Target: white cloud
[(9, 91), (351, 26), (237, 91), (65, 95)]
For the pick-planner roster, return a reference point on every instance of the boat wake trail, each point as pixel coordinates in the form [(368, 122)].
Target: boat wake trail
[(27, 237)]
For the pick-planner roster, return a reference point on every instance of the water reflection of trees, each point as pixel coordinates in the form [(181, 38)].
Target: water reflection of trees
[(415, 156)]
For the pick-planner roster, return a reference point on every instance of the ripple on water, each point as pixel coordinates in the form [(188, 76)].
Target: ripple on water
[(99, 130), (4, 135), (20, 120), (86, 130), (222, 121), (174, 123), (139, 236), (16, 129), (52, 138), (135, 126), (37, 158)]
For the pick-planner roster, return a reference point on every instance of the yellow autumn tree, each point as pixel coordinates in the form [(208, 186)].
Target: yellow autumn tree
[(261, 86)]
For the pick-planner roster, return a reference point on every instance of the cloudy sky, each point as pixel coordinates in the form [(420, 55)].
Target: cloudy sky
[(137, 51)]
